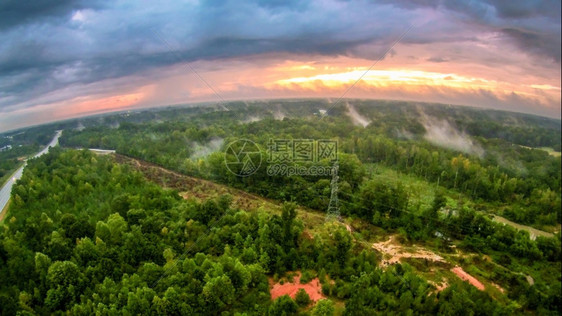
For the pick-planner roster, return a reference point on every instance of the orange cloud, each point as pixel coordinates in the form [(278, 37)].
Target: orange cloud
[(105, 104)]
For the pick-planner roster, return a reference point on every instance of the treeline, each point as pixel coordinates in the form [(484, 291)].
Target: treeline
[(527, 136)]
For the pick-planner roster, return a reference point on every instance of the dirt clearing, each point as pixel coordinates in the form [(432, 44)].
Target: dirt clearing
[(393, 251), (312, 288)]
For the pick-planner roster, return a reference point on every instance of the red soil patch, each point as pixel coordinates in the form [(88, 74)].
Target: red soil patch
[(312, 288), (467, 277)]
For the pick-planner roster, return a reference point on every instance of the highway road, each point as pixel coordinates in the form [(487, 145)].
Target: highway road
[(6, 190)]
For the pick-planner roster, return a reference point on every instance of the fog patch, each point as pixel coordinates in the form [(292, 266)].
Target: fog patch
[(252, 119), (203, 150), (441, 133), (514, 164), (80, 127), (356, 118), (404, 134), (154, 137), (278, 115)]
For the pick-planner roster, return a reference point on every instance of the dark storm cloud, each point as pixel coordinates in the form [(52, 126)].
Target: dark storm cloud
[(18, 12), (523, 9), (535, 42), (15, 12), (533, 26)]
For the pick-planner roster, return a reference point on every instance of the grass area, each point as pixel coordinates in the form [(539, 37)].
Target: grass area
[(4, 212), (532, 231), (339, 307), (551, 151), (420, 191)]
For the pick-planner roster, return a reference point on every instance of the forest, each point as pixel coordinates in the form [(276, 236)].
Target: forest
[(87, 234), (520, 182)]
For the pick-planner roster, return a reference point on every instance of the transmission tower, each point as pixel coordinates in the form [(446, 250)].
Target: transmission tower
[(333, 207)]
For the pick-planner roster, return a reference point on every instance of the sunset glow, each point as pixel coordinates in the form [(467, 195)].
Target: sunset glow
[(382, 78), (108, 103)]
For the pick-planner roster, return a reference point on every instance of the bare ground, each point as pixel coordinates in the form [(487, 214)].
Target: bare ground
[(439, 286), (393, 252), (312, 288)]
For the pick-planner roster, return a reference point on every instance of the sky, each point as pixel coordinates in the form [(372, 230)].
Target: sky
[(63, 59)]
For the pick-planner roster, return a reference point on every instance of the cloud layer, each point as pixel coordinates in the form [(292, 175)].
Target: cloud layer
[(69, 57)]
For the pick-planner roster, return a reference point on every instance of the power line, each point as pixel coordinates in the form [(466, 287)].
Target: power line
[(333, 207)]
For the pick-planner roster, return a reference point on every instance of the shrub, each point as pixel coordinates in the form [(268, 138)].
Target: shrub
[(306, 277), (302, 298)]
